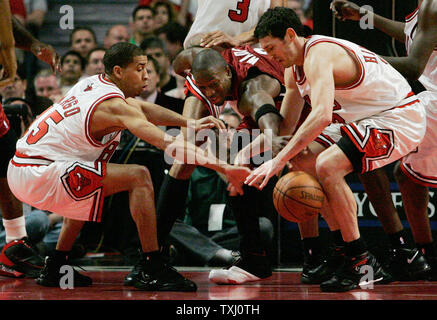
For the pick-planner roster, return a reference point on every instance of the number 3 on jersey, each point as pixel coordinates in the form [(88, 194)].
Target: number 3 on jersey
[(242, 12)]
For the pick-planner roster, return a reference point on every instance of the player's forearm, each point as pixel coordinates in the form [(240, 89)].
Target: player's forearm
[(307, 133), (409, 68), (6, 36), (161, 116), (177, 148), (390, 27), (23, 38)]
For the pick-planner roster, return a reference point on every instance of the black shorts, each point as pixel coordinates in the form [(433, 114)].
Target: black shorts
[(8, 144)]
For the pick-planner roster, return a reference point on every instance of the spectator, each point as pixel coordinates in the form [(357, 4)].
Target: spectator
[(143, 24), (36, 11), (152, 92), (115, 34), (163, 13), (82, 40), (17, 89), (46, 85), (173, 34), (94, 63), (155, 47), (18, 10), (72, 65)]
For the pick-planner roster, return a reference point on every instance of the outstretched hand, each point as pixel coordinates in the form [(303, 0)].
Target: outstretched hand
[(8, 66), (47, 54), (236, 176), (345, 10), (209, 122), (261, 175), (218, 38)]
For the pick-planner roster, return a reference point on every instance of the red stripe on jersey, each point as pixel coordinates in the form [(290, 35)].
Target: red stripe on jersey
[(362, 70), (90, 139)]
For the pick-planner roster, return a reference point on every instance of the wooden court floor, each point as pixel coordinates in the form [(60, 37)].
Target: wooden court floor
[(283, 285)]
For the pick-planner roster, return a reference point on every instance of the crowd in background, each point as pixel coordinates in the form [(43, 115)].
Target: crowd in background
[(159, 28)]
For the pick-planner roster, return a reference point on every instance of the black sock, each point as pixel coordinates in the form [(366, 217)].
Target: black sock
[(170, 206), (338, 238), (398, 239), (60, 256), (427, 249), (312, 246), (355, 248), (245, 211)]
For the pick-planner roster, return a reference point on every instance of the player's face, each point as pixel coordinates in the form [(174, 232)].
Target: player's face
[(215, 85), (134, 77), (282, 50)]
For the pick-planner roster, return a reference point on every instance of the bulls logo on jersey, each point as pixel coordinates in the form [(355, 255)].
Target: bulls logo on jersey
[(88, 88)]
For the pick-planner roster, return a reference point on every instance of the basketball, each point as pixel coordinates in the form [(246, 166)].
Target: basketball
[(298, 196)]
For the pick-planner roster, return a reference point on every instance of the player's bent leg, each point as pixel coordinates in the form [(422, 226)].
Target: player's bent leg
[(57, 271), (153, 272), (332, 166), (18, 258), (415, 198), (403, 263)]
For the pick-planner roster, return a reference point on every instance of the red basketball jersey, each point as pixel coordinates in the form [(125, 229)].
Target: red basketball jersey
[(4, 122)]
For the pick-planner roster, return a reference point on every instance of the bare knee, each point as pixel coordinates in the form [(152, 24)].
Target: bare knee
[(398, 174), (142, 176), (324, 169)]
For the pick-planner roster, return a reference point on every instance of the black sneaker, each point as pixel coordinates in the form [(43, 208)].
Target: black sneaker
[(161, 277), (431, 275), (317, 270), (407, 264), (18, 259), (349, 277), (51, 275), (249, 268)]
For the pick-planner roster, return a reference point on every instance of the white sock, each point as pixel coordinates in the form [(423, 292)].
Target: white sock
[(15, 229)]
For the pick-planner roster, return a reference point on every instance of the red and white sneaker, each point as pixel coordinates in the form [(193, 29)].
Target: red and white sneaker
[(18, 259)]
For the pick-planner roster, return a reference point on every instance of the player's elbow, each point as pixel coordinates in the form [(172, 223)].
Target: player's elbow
[(415, 70)]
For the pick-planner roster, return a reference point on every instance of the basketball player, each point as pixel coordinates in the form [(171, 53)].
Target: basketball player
[(361, 106), (228, 23), (17, 258), (61, 162), (418, 170)]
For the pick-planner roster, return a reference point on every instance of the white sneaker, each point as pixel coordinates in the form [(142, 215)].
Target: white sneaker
[(233, 275)]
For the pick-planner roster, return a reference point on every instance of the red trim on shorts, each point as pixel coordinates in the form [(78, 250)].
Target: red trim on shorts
[(346, 131), (405, 169)]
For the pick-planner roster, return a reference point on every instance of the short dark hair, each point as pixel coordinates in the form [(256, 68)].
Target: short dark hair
[(207, 59), (74, 53), (275, 22), (79, 28), (142, 7), (94, 50), (155, 64), (120, 54), (174, 32), (153, 42)]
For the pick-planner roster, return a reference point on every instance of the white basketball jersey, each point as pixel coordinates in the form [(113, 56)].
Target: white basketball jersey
[(429, 75), (230, 16), (379, 87), (62, 132)]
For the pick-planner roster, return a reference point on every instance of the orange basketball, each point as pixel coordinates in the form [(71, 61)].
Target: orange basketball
[(298, 196)]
